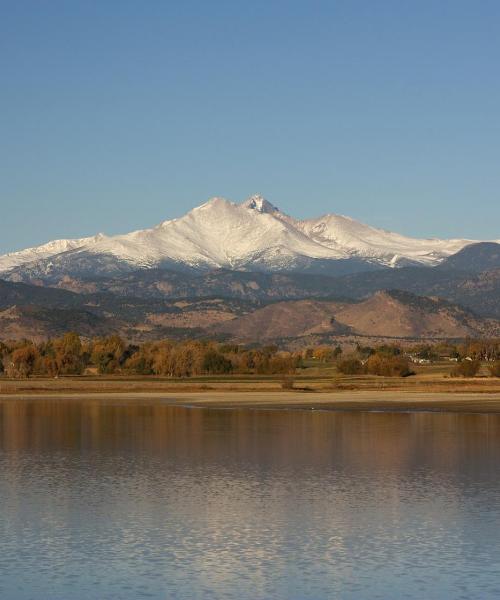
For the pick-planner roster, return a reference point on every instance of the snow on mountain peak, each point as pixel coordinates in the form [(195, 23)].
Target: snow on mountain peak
[(252, 235), (260, 204), (21, 257)]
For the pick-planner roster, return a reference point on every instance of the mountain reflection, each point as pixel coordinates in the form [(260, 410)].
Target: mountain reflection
[(152, 500), (400, 441)]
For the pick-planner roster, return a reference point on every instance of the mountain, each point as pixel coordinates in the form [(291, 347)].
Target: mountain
[(164, 283), (386, 314), (22, 294), (251, 236), (474, 258), (16, 259), (39, 323), (479, 292), (34, 312)]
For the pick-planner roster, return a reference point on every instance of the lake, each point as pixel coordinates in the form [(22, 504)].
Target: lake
[(108, 500)]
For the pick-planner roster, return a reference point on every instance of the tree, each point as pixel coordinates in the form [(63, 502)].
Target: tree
[(69, 358), (337, 353), (215, 363), (388, 366), (23, 361), (107, 354), (350, 366), (324, 354)]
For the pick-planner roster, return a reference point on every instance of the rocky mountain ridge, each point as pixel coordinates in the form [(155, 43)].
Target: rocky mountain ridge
[(251, 236)]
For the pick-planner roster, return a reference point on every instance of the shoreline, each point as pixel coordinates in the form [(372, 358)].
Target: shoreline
[(356, 400)]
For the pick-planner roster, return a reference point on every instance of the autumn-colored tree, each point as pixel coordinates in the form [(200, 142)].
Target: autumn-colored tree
[(388, 366), (107, 353), (139, 360), (69, 356), (324, 353), (350, 366), (23, 361)]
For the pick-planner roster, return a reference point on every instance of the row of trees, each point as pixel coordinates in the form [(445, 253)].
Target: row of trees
[(378, 363), (392, 361), (475, 349), (70, 355), (470, 368)]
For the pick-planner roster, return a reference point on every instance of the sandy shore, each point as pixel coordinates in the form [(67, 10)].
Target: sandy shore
[(374, 400)]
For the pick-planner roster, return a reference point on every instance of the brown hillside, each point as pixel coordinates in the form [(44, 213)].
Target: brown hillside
[(385, 314), (286, 320), (38, 324)]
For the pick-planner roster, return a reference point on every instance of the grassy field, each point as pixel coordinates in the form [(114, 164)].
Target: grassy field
[(315, 378)]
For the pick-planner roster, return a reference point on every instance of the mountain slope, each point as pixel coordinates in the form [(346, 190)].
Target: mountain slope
[(39, 323), (387, 314), (346, 235), (15, 259), (37, 312), (474, 258), (34, 312), (477, 291), (251, 236)]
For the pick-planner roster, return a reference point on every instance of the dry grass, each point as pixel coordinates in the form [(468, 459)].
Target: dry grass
[(428, 379)]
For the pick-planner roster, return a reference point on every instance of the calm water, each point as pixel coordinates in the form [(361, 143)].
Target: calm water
[(134, 501)]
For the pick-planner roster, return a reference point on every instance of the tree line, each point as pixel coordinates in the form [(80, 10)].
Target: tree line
[(111, 355), (395, 361)]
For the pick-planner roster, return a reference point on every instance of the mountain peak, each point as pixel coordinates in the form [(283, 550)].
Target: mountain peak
[(260, 204), (251, 235), (214, 201)]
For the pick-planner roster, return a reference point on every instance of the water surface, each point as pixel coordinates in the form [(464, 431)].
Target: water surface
[(127, 501)]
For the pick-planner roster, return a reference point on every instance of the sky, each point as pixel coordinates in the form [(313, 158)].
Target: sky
[(116, 115)]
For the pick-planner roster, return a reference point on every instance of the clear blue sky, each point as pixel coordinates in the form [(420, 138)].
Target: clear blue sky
[(115, 115)]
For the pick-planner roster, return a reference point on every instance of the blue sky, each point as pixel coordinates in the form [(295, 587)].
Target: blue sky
[(115, 115)]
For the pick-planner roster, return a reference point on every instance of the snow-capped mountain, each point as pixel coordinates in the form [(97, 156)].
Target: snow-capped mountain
[(252, 235), (16, 259)]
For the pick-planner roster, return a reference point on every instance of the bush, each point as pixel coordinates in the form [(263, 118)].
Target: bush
[(350, 366), (467, 368), (494, 369), (388, 366)]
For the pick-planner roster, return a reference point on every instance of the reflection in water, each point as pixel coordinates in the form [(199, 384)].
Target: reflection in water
[(102, 500)]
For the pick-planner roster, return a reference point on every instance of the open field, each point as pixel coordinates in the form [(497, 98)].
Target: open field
[(431, 388), (318, 378)]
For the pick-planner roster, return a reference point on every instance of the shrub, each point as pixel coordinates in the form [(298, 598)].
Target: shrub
[(388, 366), (350, 366), (467, 368), (494, 369)]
